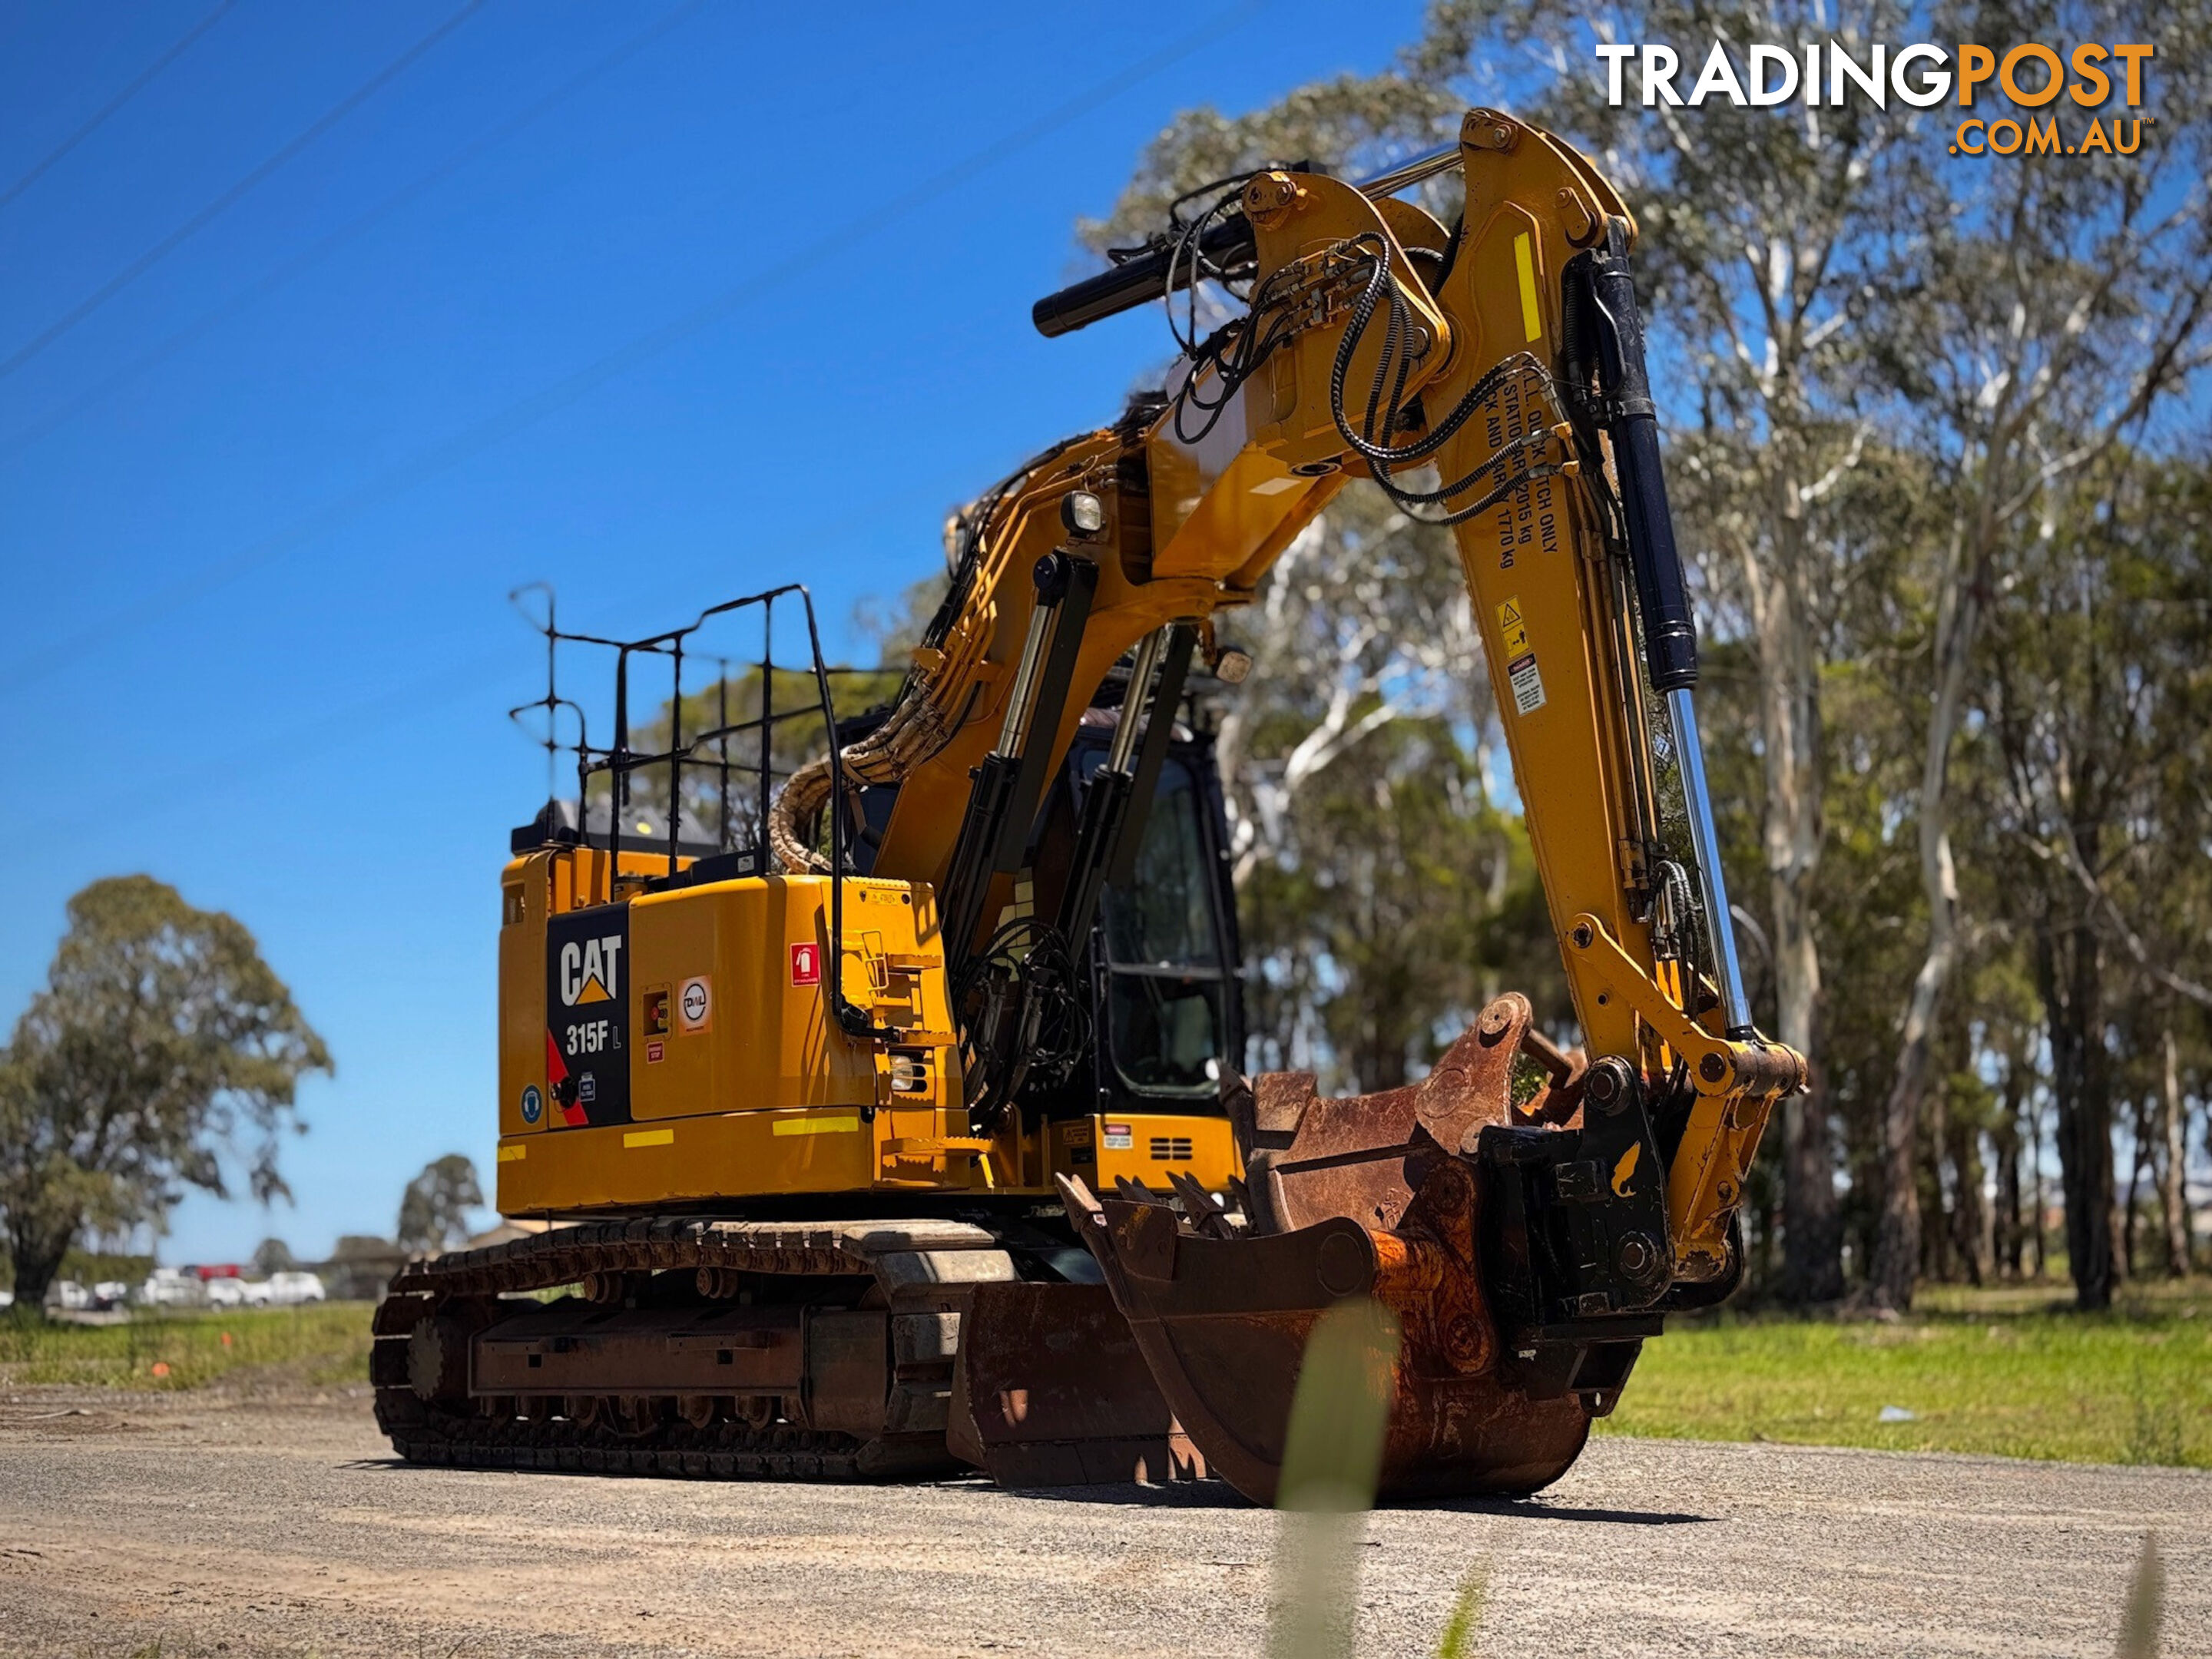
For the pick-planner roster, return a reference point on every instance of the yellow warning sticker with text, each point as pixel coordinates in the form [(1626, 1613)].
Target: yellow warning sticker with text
[(1512, 632), (1519, 657)]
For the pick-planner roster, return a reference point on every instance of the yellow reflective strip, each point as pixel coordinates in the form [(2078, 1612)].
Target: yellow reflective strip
[(1524, 257), (649, 1138), (819, 1126), (513, 1154)]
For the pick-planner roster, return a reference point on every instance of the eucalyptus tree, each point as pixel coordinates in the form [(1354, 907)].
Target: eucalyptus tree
[(2027, 316)]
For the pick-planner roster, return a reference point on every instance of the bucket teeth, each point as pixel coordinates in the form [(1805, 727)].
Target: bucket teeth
[(1131, 1190), (1205, 1216)]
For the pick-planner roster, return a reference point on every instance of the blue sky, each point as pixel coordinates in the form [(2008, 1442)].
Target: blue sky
[(751, 304)]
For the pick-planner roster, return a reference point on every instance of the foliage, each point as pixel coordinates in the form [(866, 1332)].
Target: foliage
[(273, 1256), (1385, 889), (1397, 899), (162, 1043), (718, 773), (362, 1247), (434, 1211)]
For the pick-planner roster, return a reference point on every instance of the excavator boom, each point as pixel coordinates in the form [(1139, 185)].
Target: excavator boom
[(1491, 378)]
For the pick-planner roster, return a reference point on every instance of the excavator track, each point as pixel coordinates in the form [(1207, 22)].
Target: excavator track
[(864, 1316), (731, 1452)]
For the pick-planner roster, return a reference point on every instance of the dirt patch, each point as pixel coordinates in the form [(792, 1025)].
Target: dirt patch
[(248, 1522)]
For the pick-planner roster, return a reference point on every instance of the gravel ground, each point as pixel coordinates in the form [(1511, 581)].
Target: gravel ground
[(256, 1526)]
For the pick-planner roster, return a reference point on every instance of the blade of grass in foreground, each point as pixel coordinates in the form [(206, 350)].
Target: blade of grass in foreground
[(1331, 1461), (1466, 1619), (2146, 1598)]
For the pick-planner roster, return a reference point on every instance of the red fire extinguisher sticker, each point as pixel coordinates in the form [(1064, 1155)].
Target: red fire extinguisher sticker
[(806, 964)]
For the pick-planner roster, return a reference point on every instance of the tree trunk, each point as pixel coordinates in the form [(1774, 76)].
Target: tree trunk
[(2115, 1223), (2011, 1226), (1791, 832), (1897, 1239), (37, 1255), (2173, 1172), (2070, 972), (2042, 1200), (1970, 1217), (2004, 1226), (1897, 1246), (1813, 1269), (1935, 1241), (2139, 1113), (1812, 1241)]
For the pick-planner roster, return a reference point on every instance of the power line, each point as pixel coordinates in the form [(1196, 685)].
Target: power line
[(473, 440), (281, 752), (15, 444), (192, 227), (116, 103)]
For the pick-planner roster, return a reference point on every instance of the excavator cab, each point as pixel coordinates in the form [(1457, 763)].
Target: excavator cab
[(1161, 966)]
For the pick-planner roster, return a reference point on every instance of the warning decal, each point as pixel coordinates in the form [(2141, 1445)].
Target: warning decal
[(1519, 660), (1528, 684), (1511, 630)]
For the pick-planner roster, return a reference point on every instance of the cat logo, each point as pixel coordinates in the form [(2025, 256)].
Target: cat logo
[(1624, 1171), (587, 1015), (590, 970)]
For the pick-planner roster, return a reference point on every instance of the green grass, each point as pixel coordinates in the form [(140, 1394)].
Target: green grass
[(322, 1344), (2010, 1372)]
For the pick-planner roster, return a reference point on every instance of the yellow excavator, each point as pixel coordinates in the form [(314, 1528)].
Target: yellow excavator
[(884, 1106)]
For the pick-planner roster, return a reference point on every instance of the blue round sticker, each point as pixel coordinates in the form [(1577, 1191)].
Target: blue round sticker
[(532, 1103)]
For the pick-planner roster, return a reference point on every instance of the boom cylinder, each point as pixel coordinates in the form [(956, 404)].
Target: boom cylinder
[(1003, 797), (1662, 595), (1106, 801), (1051, 577)]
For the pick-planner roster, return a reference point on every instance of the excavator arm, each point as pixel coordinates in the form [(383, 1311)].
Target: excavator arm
[(1490, 376)]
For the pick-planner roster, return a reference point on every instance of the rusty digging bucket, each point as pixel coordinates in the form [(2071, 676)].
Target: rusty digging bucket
[(1365, 1196)]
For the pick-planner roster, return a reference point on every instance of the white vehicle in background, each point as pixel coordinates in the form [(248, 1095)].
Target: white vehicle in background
[(289, 1290), (68, 1295), (172, 1287), (237, 1293), (110, 1293)]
